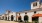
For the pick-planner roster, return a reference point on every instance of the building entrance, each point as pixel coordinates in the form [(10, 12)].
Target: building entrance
[(11, 17), (6, 18), (35, 19)]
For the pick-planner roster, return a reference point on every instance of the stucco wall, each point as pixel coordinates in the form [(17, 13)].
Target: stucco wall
[(17, 16), (35, 7), (30, 14), (40, 19), (14, 15), (2, 16), (22, 15), (41, 6), (40, 12)]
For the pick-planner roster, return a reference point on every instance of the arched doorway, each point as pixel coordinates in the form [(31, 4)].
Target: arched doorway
[(3, 17), (12, 17), (19, 18), (6, 18), (26, 18), (35, 19)]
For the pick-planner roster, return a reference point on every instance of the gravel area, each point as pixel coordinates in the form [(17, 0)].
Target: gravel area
[(3, 21)]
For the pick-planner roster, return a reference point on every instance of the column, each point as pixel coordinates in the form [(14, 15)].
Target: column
[(17, 18), (4, 17), (30, 19), (22, 18), (10, 18), (13, 18), (40, 19), (7, 17)]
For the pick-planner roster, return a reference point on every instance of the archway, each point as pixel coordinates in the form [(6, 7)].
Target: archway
[(3, 17), (12, 17), (6, 18), (26, 18), (19, 18), (35, 19)]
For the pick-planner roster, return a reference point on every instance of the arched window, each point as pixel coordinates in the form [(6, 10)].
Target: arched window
[(35, 4)]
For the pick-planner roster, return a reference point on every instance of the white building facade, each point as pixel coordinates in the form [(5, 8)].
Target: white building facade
[(36, 8)]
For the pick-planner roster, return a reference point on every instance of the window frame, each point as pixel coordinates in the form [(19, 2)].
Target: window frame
[(34, 4)]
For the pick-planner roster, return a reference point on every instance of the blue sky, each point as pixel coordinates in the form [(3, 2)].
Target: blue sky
[(15, 5)]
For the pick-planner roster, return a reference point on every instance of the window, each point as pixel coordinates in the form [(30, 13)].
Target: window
[(34, 11), (35, 4), (25, 12)]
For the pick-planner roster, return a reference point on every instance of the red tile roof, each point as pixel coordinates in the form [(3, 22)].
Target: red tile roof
[(37, 15)]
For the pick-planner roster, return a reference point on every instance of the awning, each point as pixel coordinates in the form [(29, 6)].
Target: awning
[(37, 15)]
